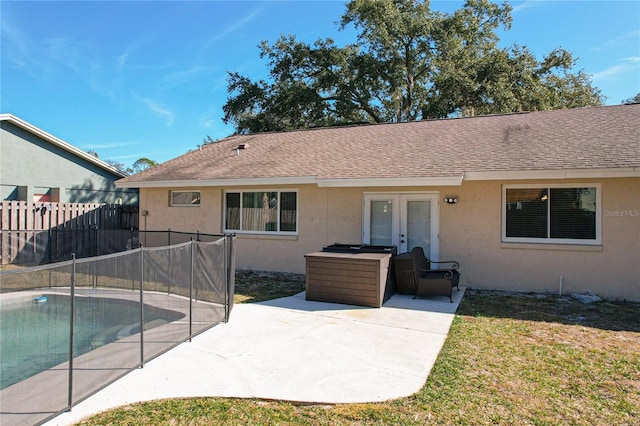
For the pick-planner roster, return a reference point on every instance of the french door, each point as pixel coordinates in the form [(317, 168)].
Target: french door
[(406, 220)]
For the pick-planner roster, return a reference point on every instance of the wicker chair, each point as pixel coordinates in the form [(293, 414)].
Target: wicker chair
[(434, 282)]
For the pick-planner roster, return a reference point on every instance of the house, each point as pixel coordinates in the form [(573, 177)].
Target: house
[(37, 166), (542, 201)]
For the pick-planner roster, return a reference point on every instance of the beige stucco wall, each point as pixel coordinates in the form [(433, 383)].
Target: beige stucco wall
[(470, 231)]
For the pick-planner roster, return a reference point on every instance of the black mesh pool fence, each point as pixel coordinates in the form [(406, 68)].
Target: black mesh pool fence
[(71, 328)]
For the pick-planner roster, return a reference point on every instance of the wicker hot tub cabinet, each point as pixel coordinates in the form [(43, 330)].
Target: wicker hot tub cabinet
[(350, 274)]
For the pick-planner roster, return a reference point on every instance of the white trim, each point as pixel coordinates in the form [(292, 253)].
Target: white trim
[(171, 204), (250, 232), (554, 174), (10, 118), (394, 199), (399, 204), (393, 182), (549, 240), (298, 180)]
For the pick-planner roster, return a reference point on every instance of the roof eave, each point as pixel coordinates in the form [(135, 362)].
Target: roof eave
[(297, 180), (619, 172), (390, 182), (10, 118)]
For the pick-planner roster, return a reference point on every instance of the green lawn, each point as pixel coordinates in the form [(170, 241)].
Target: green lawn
[(509, 359)]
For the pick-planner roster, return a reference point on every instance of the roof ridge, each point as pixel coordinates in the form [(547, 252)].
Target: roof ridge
[(424, 120)]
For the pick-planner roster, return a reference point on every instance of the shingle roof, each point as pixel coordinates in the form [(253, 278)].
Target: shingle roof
[(570, 139)]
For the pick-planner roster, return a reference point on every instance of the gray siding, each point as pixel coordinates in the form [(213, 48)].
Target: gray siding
[(30, 165)]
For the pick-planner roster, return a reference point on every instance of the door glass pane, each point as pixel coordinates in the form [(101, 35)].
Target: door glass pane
[(381, 222), (419, 225)]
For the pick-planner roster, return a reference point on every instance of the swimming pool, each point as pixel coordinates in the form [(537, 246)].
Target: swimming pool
[(34, 334)]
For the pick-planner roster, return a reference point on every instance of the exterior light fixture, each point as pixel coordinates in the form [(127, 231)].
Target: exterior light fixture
[(451, 200)]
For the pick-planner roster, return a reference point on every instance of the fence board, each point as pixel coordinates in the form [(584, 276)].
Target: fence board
[(26, 227)]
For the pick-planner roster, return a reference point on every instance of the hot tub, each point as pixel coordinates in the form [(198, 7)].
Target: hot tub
[(353, 274), (360, 248)]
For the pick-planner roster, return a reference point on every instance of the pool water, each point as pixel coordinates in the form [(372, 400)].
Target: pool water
[(34, 335)]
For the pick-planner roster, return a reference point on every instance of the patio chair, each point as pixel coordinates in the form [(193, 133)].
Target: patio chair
[(434, 282)]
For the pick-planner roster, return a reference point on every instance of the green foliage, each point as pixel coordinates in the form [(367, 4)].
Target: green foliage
[(634, 100), (408, 63), (142, 164)]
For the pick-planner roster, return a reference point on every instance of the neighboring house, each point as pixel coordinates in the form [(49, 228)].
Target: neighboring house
[(540, 201), (36, 166)]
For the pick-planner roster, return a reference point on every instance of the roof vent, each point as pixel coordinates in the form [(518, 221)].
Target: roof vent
[(241, 146)]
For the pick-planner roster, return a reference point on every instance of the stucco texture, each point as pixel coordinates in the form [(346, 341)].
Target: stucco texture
[(470, 232)]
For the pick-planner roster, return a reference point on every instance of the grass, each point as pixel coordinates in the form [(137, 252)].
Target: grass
[(255, 286), (509, 359)]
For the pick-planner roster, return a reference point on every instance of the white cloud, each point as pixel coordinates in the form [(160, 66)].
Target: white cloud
[(159, 111), (235, 26), (626, 65), (182, 75), (96, 146), (15, 44), (633, 36), (517, 7)]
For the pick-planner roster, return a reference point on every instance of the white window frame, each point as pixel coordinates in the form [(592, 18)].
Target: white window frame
[(399, 225), (185, 205), (242, 231), (549, 240)]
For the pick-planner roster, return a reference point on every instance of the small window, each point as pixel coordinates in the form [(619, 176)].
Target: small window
[(553, 214), (185, 198), (261, 211)]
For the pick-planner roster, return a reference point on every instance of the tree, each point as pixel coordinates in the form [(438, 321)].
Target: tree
[(142, 164), (138, 166), (408, 63), (118, 165), (634, 100), (312, 86)]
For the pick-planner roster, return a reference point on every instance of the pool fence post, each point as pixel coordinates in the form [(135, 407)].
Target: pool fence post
[(71, 327), (94, 266), (230, 252), (226, 279), (50, 246), (169, 262), (141, 306), (191, 294)]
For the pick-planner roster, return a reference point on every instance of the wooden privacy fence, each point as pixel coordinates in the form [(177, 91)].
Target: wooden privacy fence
[(49, 232)]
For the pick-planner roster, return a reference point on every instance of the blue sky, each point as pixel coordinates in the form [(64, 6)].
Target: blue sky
[(148, 78)]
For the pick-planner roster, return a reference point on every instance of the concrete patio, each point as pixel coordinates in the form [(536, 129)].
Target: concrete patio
[(296, 350)]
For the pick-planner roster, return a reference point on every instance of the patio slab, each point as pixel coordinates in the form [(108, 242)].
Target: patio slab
[(296, 350)]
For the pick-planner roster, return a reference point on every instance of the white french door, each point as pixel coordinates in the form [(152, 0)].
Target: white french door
[(406, 220)]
